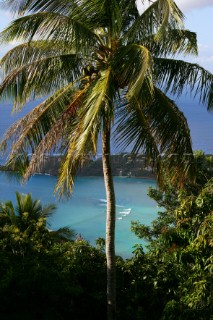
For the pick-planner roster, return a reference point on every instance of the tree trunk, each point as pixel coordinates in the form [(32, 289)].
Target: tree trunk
[(110, 225)]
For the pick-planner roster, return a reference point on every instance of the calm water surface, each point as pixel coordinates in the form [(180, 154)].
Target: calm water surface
[(85, 211)]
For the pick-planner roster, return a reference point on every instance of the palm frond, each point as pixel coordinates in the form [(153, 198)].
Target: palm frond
[(27, 132), (34, 208), (176, 42), (129, 12), (26, 81), (54, 136), (83, 140), (48, 210), (168, 14), (168, 124), (96, 13), (91, 12), (132, 66), (176, 75), (133, 131), (16, 165), (63, 234), (160, 15), (7, 213), (113, 17), (51, 26), (157, 128), (27, 53), (22, 7)]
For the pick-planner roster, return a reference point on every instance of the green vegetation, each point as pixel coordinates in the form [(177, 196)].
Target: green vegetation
[(43, 277), (101, 64), (181, 248)]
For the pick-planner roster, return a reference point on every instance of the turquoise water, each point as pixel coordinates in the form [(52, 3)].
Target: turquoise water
[(85, 211)]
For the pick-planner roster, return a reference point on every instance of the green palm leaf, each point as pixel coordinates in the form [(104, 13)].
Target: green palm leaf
[(29, 131), (30, 81), (51, 26), (52, 139), (153, 127), (132, 65), (156, 19), (26, 204), (176, 42), (35, 51), (175, 75), (84, 135), (170, 15), (25, 6)]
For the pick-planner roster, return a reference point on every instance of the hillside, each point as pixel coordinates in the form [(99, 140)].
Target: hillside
[(122, 165)]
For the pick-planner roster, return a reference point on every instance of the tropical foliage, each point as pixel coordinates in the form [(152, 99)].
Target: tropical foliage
[(23, 229), (181, 248), (102, 64)]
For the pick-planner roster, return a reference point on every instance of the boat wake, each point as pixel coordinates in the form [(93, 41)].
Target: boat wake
[(123, 213), (103, 200)]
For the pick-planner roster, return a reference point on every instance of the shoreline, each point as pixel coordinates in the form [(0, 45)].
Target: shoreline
[(123, 165), (151, 177)]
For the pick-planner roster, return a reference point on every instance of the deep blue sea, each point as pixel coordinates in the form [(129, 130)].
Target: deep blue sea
[(85, 211), (200, 121)]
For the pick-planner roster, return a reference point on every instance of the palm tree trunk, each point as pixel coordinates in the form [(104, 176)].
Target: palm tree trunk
[(110, 225)]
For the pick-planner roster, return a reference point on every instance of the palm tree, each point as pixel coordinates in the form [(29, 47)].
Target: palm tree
[(103, 67), (26, 211), (26, 224), (23, 227)]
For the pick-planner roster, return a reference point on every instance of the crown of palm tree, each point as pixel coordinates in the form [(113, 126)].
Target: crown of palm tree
[(100, 60)]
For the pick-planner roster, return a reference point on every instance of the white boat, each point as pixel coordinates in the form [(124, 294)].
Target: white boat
[(125, 211)]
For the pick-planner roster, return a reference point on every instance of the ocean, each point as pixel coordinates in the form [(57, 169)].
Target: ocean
[(200, 123)]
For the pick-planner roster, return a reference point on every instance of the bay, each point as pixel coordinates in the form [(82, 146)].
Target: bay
[(85, 212)]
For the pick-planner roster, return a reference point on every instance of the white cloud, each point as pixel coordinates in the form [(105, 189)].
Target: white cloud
[(186, 5)]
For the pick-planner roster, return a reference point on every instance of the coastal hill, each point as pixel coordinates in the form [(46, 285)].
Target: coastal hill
[(125, 165)]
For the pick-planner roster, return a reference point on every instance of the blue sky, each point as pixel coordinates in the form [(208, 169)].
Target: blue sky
[(199, 18)]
